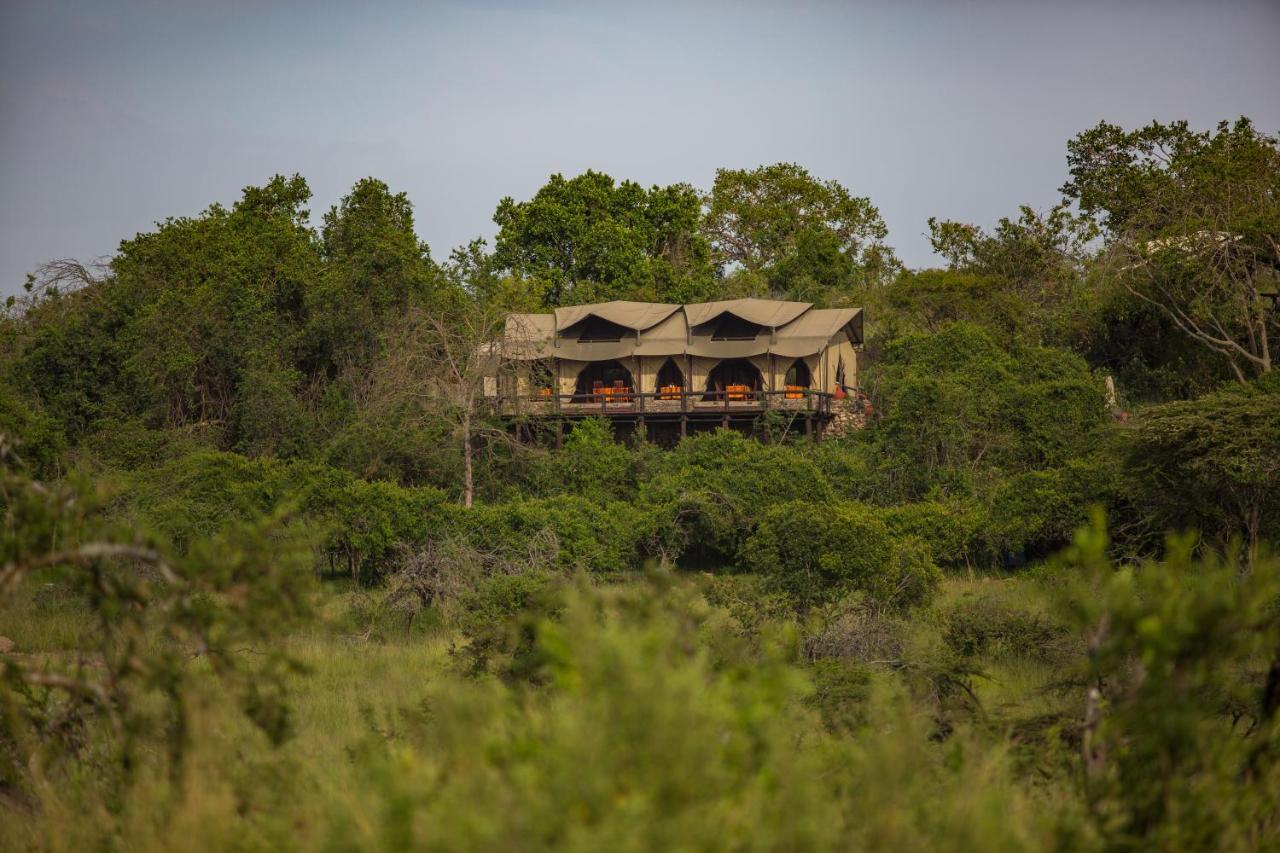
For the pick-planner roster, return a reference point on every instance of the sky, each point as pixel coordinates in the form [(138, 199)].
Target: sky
[(114, 116)]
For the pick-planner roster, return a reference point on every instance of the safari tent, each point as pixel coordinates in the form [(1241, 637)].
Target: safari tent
[(716, 359)]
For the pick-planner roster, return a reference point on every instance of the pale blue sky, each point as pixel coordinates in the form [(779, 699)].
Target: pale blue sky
[(114, 115)]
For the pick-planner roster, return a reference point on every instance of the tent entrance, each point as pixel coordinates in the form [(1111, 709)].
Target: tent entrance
[(736, 378)]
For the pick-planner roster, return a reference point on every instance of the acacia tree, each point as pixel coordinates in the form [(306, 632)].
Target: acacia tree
[(1194, 222)]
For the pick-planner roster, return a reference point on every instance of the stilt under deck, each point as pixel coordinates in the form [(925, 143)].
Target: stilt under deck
[(666, 417)]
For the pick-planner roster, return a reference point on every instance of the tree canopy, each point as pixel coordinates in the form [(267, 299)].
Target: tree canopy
[(1194, 226), (794, 235), (589, 239)]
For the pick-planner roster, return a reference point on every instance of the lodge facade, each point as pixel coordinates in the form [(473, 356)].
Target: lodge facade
[(664, 368)]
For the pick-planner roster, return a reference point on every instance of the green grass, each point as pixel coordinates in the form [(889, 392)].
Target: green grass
[(40, 618), (655, 736)]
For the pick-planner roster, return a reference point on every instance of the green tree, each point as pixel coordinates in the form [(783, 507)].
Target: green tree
[(932, 299), (374, 268), (963, 402), (797, 234), (213, 303), (1194, 227), (589, 238), (1038, 258)]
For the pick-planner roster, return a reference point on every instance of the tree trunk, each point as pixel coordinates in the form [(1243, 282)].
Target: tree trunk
[(467, 486)]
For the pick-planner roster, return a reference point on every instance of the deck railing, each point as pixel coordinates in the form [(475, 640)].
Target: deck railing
[(625, 401)]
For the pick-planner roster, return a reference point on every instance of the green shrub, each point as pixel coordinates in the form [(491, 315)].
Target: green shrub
[(953, 529), (358, 523), (501, 618), (193, 496), (38, 438), (366, 521), (993, 626), (821, 552), (747, 599), (599, 537), (591, 465), (706, 496), (1035, 513)]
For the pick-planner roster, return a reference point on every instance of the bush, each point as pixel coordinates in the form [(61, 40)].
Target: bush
[(500, 618), (193, 496), (821, 552), (591, 465), (953, 529), (358, 524), (993, 626), (365, 522), (598, 537), (706, 497), (1035, 513), (38, 438)]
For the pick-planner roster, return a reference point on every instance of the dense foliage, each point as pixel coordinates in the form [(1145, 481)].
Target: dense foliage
[(273, 574)]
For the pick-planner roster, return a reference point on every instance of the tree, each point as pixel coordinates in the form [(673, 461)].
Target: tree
[(374, 267), (588, 238), (1194, 227), (964, 401), (1039, 258), (797, 233), (932, 299), (431, 376), (210, 304)]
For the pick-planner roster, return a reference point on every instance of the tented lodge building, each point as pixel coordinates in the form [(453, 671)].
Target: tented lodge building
[(680, 364)]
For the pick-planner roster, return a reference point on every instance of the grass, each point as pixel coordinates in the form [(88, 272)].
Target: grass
[(476, 761)]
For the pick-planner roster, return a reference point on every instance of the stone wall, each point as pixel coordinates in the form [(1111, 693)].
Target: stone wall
[(847, 415)]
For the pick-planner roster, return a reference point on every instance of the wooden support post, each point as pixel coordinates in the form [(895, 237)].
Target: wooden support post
[(808, 425), (559, 433), (684, 425)]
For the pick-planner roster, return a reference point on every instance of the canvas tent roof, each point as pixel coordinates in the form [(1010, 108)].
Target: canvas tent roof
[(791, 329), (631, 315), (763, 312), (812, 331)]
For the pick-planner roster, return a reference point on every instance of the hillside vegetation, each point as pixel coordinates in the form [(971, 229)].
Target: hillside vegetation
[(273, 575)]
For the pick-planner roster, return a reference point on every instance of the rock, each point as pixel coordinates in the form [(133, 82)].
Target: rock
[(6, 645), (846, 416)]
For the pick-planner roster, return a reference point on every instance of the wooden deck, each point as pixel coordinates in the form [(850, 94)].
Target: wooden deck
[(807, 409)]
